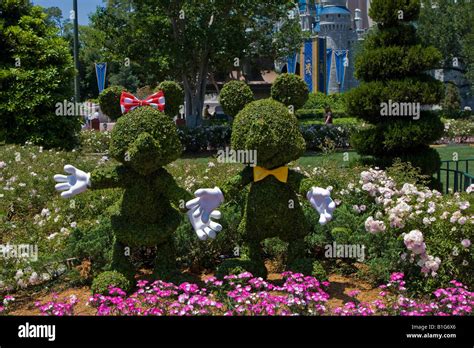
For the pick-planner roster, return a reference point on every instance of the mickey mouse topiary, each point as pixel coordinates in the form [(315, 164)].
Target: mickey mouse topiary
[(143, 141), (272, 208)]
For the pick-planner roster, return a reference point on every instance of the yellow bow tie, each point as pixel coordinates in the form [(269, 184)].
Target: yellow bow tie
[(260, 173)]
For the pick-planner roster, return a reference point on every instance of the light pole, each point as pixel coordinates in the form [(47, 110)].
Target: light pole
[(77, 94)]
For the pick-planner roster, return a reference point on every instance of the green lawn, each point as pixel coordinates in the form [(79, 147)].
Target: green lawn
[(344, 157)]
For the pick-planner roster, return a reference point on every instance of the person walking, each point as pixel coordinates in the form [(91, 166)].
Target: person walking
[(328, 116)]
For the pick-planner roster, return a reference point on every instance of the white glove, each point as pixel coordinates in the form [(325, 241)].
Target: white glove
[(72, 184), (321, 200), (202, 208), (205, 202), (203, 230)]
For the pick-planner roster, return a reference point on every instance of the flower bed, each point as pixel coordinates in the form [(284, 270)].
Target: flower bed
[(245, 295)]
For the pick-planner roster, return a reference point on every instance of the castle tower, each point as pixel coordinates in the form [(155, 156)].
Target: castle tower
[(337, 26), (326, 60)]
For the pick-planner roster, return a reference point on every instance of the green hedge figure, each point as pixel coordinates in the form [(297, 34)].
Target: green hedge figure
[(143, 141), (272, 208)]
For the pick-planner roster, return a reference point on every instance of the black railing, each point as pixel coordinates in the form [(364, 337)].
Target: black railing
[(458, 171)]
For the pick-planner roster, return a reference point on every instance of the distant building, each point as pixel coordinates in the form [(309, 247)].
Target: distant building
[(326, 60)]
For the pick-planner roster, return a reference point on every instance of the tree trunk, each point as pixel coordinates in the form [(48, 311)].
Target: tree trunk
[(194, 96)]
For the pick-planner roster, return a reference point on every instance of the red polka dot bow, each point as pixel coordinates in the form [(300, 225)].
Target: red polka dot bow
[(128, 101)]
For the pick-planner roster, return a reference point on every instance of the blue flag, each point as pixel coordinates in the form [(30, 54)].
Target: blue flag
[(100, 71)]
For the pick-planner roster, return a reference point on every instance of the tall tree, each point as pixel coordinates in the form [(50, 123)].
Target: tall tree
[(188, 40), (448, 25), (392, 68), (36, 72)]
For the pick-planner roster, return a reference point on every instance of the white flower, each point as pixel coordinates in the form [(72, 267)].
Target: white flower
[(374, 226), (45, 212), (2, 164), (33, 278), (414, 242), (466, 243), (52, 236), (18, 274)]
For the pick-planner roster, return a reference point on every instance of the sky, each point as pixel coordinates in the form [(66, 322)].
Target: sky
[(84, 7)]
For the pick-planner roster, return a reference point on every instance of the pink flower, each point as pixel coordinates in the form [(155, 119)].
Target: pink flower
[(466, 243)]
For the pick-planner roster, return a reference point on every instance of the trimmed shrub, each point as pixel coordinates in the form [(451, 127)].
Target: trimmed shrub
[(291, 90), (108, 279), (174, 96), (320, 101), (234, 96), (109, 101), (395, 74)]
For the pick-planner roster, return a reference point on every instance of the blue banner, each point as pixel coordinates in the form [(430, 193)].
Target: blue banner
[(341, 57), (328, 67), (308, 64), (291, 65), (322, 65), (100, 71)]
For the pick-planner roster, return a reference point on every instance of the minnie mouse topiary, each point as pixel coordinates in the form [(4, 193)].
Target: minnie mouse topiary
[(143, 141)]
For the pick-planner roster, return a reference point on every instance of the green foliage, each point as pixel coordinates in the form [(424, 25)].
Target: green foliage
[(365, 101), (36, 72), (109, 101), (125, 77), (108, 279), (319, 272), (291, 90), (311, 115), (93, 243), (267, 127), (200, 255), (234, 96), (391, 13), (452, 100), (94, 142), (321, 100), (391, 73), (174, 96), (384, 63), (448, 27)]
